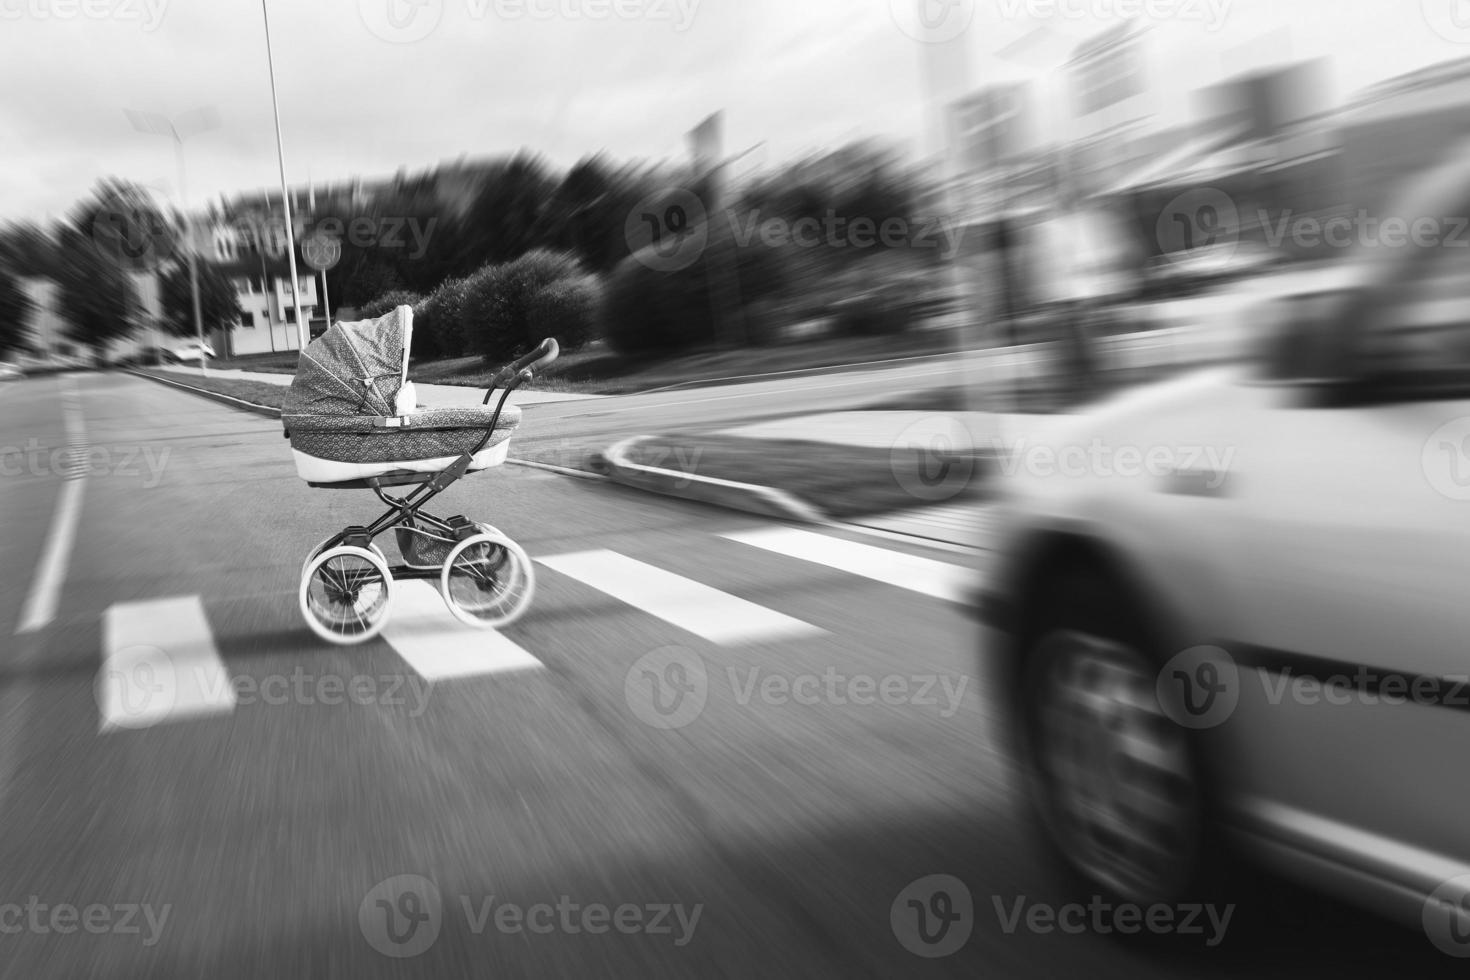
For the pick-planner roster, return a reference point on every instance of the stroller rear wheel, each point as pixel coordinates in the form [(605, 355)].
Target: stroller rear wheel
[(346, 594), (487, 580)]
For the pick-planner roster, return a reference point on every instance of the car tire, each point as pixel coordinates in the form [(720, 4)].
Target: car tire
[(1120, 791)]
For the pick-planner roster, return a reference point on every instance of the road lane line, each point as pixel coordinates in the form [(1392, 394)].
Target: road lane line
[(159, 664), (50, 576), (438, 646), (704, 611), (923, 575)]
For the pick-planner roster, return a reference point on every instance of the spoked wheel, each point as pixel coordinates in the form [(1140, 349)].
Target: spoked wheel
[(322, 546), (487, 580), (346, 594)]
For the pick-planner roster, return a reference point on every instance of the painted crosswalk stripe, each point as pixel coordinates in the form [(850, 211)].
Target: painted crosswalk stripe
[(702, 610), (440, 647), (924, 575), (159, 664)]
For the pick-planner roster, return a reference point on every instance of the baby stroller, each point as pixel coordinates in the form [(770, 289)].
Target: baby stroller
[(353, 424)]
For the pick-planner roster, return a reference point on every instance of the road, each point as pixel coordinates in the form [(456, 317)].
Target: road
[(706, 751)]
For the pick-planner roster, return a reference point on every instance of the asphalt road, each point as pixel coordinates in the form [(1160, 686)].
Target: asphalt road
[(554, 823)]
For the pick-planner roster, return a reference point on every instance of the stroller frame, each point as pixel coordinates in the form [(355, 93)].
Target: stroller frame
[(407, 510)]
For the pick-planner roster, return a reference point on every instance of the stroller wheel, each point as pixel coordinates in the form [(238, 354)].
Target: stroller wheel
[(346, 594), (322, 546), (487, 580)]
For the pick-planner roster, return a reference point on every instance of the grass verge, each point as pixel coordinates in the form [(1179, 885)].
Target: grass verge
[(257, 392), (841, 481)]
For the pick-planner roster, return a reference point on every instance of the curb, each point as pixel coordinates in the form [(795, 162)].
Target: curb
[(230, 400), (748, 497)]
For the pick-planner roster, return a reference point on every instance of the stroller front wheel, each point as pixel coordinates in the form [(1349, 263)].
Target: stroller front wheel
[(346, 594), (487, 580)]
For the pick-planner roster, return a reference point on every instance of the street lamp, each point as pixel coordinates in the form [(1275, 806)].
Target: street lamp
[(191, 123), (301, 331)]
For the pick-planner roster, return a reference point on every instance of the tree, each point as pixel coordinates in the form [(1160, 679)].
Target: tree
[(95, 295), (218, 306), (501, 223), (15, 310)]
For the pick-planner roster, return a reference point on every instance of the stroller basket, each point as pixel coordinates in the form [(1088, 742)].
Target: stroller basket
[(421, 546)]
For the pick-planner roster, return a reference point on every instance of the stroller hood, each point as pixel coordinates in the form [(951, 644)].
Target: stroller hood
[(353, 368)]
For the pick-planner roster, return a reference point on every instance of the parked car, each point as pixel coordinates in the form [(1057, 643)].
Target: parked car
[(192, 351), (1231, 610)]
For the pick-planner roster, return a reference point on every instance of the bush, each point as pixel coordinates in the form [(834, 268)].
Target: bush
[(498, 309), (566, 310), (650, 311), (437, 321)]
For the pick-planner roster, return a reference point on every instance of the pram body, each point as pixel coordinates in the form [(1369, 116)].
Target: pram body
[(350, 426)]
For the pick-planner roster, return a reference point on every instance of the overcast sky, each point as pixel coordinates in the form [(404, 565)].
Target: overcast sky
[(370, 86)]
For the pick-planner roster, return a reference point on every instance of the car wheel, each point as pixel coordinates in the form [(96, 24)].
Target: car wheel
[(1117, 785)]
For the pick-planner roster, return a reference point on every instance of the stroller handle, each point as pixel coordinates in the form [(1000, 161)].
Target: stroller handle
[(520, 372), (538, 358)]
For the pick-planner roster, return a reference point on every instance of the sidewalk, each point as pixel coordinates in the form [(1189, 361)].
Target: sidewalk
[(440, 396)]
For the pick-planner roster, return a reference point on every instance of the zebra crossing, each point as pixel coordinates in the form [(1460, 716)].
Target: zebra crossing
[(160, 662)]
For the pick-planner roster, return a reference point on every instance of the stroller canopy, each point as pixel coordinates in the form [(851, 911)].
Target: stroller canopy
[(353, 368)]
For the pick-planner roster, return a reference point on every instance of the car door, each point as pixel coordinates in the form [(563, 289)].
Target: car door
[(1355, 588)]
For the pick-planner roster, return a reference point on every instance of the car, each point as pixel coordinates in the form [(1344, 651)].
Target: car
[(9, 372), (192, 351), (1227, 614)]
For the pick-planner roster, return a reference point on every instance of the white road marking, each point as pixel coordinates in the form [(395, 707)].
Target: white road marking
[(440, 647), (159, 664), (924, 575), (702, 610), (50, 575)]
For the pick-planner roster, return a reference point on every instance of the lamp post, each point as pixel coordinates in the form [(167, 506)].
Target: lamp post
[(189, 124), (301, 330)]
